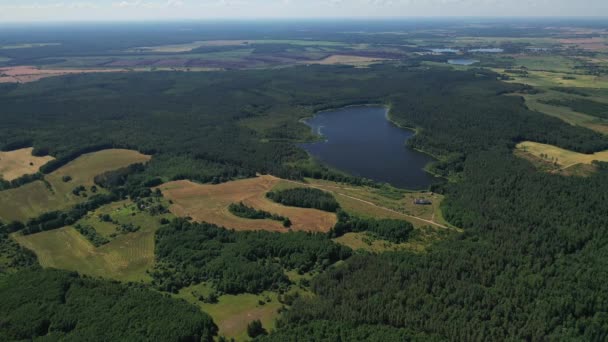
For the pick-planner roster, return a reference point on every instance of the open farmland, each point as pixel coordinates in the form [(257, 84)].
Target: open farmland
[(53, 193), (25, 74), (14, 164), (561, 158), (209, 203), (126, 257), (348, 60)]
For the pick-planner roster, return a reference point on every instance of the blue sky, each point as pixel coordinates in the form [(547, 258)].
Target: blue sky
[(62, 10)]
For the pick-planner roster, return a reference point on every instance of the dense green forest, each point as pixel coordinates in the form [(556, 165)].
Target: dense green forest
[(396, 231), (330, 331), (13, 257), (185, 120), (57, 305), (305, 198), (530, 264), (237, 262)]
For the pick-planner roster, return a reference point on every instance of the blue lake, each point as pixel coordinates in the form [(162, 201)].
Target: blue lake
[(362, 142), (488, 50), (445, 50)]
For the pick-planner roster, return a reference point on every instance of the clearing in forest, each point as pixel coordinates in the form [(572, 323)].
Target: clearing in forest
[(232, 313), (126, 257), (558, 156), (55, 193), (209, 203), (17, 163)]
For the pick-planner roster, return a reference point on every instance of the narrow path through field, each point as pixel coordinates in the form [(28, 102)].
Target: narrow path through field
[(371, 203)]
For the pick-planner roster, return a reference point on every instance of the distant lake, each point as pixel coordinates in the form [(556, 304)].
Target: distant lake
[(445, 50), (462, 61), (488, 50), (362, 142)]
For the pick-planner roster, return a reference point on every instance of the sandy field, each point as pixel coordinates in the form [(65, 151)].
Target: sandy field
[(14, 164), (209, 203)]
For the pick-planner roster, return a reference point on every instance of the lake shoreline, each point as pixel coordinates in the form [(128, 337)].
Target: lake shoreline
[(397, 171)]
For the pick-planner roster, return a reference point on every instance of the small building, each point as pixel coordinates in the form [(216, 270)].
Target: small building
[(422, 201)]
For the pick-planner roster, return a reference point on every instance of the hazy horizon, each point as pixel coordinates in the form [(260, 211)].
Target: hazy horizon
[(138, 10)]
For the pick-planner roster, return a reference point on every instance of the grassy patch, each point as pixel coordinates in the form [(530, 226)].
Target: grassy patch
[(126, 257), (385, 203), (54, 193), (420, 240), (547, 63), (233, 313), (14, 164), (562, 158)]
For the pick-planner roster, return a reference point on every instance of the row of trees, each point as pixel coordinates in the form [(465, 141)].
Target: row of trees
[(241, 210), (305, 198)]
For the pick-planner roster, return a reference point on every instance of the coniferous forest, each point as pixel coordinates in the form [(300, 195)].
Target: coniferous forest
[(529, 264)]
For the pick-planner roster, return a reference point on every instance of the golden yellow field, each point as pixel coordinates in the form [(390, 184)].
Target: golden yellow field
[(561, 157), (38, 197), (14, 164), (209, 203)]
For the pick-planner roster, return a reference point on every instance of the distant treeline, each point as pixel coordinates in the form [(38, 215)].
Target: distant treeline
[(305, 198)]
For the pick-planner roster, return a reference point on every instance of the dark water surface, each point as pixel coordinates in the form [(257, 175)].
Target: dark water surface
[(362, 142)]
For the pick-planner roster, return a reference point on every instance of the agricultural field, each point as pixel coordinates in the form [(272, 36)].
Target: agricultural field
[(554, 63), (26, 74), (561, 159), (209, 203), (349, 60), (14, 164), (55, 193), (126, 257), (187, 47)]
